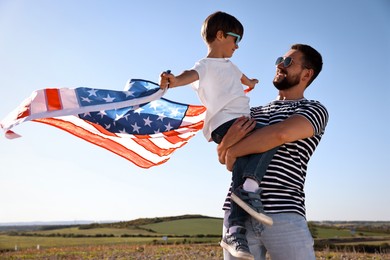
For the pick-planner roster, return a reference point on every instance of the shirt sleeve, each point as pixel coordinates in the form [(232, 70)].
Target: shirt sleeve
[(317, 115), (200, 68)]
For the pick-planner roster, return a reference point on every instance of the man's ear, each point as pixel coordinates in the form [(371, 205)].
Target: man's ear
[(308, 75)]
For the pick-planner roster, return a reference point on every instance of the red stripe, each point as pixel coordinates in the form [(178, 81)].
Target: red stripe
[(53, 99), (195, 110), (24, 112), (100, 141), (151, 147)]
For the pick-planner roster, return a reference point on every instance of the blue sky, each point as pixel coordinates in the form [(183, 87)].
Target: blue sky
[(50, 175)]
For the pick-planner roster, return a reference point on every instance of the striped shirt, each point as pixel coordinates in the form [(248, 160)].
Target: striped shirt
[(283, 184)]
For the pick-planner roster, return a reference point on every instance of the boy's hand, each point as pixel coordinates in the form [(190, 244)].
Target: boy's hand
[(166, 80), (252, 83), (249, 82)]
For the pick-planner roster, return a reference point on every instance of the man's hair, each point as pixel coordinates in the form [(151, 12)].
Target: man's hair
[(220, 21), (311, 59)]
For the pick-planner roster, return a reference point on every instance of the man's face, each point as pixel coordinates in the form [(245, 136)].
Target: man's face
[(288, 71)]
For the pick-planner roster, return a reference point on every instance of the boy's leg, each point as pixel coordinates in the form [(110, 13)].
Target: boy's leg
[(250, 200), (248, 197), (234, 239), (257, 164)]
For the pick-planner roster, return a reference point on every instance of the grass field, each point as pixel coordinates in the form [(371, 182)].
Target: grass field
[(173, 238), (162, 252)]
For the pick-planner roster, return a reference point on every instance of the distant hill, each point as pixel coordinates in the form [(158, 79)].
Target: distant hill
[(147, 221), (195, 220)]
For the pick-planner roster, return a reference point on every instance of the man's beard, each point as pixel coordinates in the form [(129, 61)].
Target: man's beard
[(284, 83)]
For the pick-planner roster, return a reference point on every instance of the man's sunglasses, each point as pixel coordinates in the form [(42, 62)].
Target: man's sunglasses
[(287, 61), (238, 37)]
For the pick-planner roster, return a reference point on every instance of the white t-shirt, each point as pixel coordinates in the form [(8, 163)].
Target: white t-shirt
[(220, 90)]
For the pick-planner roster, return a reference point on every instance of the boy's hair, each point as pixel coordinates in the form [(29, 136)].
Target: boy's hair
[(311, 59), (220, 21)]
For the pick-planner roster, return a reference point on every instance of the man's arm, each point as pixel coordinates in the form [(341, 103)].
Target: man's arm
[(294, 128)]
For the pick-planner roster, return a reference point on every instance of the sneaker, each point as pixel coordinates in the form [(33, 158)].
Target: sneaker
[(236, 244), (251, 203)]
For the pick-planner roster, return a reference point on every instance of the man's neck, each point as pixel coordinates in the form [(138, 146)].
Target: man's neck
[(289, 95)]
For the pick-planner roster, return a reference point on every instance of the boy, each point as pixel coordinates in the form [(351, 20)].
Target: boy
[(218, 83)]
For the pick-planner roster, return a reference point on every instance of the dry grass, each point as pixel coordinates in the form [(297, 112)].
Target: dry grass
[(162, 252)]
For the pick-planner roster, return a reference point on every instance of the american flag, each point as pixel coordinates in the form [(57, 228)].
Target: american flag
[(137, 123)]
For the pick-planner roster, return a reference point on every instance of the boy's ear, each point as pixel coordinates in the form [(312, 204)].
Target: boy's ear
[(220, 35)]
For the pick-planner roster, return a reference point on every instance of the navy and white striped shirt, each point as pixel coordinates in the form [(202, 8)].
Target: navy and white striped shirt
[(283, 184)]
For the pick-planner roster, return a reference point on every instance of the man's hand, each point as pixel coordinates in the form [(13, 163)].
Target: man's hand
[(240, 128), (230, 161)]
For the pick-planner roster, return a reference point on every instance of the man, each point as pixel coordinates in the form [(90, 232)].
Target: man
[(296, 125)]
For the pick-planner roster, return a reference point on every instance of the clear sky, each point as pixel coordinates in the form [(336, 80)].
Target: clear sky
[(51, 175)]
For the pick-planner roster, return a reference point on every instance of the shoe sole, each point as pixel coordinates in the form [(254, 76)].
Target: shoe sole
[(258, 216), (235, 253)]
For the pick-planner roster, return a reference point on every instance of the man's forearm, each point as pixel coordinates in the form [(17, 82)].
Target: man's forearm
[(294, 128), (259, 141)]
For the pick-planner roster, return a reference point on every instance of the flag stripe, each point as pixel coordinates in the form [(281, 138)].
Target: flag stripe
[(152, 147), (99, 140), (68, 98), (25, 111), (53, 99)]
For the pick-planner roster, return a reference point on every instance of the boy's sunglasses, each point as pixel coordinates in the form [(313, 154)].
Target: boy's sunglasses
[(238, 37), (287, 61)]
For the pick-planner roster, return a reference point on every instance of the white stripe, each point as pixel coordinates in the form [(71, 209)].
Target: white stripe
[(189, 120), (68, 98), (38, 102), (129, 143)]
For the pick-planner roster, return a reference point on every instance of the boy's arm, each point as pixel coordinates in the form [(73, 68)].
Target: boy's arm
[(168, 80), (248, 82)]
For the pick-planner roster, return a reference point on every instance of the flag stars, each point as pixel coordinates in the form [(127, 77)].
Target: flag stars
[(85, 99), (108, 99), (175, 112), (168, 127), (138, 110), (123, 131), (148, 122), (102, 113), (129, 93), (161, 116), (154, 105), (118, 117), (92, 92), (136, 128)]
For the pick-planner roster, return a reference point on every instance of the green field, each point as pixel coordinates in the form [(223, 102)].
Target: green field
[(339, 233), (188, 229), (192, 230)]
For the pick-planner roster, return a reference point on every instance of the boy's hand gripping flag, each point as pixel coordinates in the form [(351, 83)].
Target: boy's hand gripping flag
[(137, 123)]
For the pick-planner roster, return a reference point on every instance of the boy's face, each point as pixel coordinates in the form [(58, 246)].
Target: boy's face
[(229, 45)]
